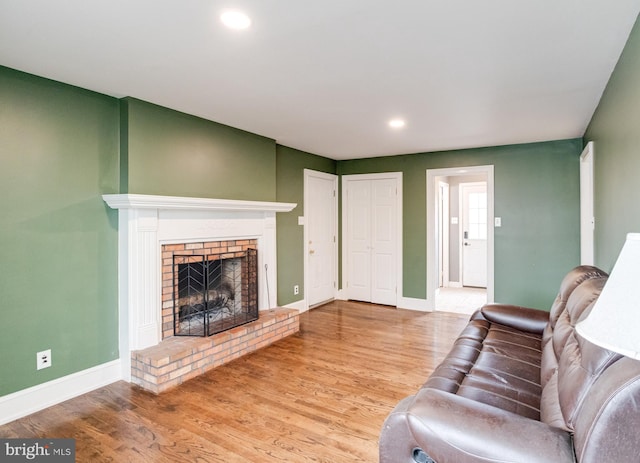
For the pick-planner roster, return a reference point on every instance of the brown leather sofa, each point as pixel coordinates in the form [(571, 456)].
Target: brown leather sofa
[(520, 385)]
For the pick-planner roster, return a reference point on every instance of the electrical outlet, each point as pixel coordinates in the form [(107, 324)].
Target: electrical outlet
[(43, 359), (296, 290)]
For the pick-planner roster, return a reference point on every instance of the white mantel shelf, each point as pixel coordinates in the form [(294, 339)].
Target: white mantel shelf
[(136, 201)]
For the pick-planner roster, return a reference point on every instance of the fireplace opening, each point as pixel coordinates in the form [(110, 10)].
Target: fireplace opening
[(213, 293)]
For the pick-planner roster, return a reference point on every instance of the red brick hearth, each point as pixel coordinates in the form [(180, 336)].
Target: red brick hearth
[(179, 358)]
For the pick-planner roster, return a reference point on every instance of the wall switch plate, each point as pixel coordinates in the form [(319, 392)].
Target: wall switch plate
[(454, 221), (43, 359), (498, 221), (300, 220)]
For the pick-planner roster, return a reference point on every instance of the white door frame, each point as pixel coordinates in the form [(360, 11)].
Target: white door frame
[(443, 217), (345, 228), (307, 174), (432, 274), (587, 215)]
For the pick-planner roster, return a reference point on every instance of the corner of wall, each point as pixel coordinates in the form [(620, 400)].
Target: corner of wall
[(124, 147)]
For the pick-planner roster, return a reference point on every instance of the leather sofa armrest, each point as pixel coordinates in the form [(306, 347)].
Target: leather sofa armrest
[(451, 428), (521, 318)]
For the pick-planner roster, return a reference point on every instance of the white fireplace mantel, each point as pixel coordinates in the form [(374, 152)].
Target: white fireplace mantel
[(146, 222), (135, 201)]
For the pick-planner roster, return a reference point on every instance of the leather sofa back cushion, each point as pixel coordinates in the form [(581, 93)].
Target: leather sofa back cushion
[(580, 366), (570, 282), (555, 351), (578, 305)]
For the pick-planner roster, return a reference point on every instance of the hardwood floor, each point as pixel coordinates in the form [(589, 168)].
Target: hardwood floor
[(318, 396)]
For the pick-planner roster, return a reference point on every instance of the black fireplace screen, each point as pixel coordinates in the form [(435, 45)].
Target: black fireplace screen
[(213, 294)]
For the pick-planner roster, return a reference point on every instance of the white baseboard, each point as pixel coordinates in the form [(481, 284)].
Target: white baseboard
[(413, 304), (36, 398), (402, 302), (455, 284), (300, 305)]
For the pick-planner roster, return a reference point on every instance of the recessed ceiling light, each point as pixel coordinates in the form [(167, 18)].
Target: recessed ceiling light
[(234, 19), (396, 123)]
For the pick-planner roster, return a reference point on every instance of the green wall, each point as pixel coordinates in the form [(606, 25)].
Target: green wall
[(537, 196), (290, 165), (171, 153), (615, 131), (167, 152), (58, 240), (62, 147)]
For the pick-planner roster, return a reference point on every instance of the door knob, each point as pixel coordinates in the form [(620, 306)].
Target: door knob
[(467, 244), (311, 251)]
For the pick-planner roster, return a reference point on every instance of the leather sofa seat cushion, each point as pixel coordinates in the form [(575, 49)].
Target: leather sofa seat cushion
[(493, 364), (506, 373), (455, 429)]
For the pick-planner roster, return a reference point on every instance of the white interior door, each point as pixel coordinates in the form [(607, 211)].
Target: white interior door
[(383, 240), (359, 240), (371, 231), (320, 234), (474, 234)]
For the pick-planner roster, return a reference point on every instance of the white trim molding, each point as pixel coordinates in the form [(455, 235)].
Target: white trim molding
[(134, 201), (412, 303), (587, 214), (27, 401), (300, 306)]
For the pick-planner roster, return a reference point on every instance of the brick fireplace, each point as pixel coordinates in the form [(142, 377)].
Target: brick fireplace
[(230, 266), (149, 226)]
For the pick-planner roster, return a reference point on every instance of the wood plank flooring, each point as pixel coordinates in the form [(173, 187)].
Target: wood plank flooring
[(318, 396)]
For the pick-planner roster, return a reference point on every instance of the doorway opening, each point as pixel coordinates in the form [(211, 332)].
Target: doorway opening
[(460, 222)]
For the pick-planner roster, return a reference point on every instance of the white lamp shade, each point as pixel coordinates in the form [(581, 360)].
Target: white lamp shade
[(614, 321)]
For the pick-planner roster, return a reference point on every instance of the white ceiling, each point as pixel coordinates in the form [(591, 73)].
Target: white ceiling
[(326, 76)]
